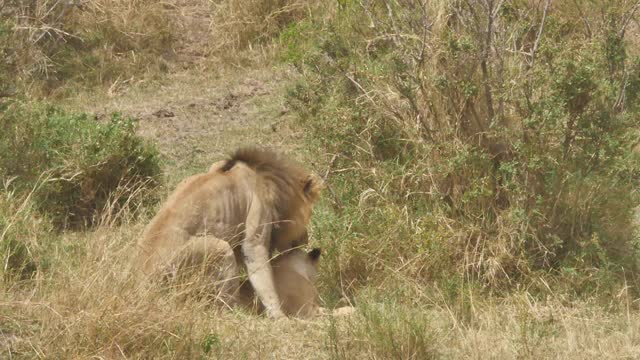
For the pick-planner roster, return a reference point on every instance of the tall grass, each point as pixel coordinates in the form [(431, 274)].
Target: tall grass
[(21, 254), (88, 303), (244, 24), (54, 46)]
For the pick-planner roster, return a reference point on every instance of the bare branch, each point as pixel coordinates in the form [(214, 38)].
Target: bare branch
[(534, 51), (393, 22), (536, 43), (426, 26), (492, 11), (628, 18), (583, 18)]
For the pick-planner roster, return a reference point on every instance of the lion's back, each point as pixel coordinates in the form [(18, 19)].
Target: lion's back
[(216, 199), (197, 192)]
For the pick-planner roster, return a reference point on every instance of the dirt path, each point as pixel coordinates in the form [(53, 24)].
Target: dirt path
[(198, 113), (196, 118)]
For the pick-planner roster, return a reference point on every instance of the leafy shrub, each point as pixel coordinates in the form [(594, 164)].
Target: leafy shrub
[(78, 167), (506, 129)]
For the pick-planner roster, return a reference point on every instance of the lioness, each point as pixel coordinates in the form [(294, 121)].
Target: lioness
[(257, 201), (294, 275)]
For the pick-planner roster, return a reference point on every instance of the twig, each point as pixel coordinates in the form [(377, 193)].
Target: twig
[(619, 105), (365, 7), (332, 162), (393, 22), (364, 92), (630, 15), (325, 178), (536, 43), (583, 18)]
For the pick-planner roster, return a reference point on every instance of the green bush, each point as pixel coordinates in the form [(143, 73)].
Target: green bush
[(499, 138), (78, 168)]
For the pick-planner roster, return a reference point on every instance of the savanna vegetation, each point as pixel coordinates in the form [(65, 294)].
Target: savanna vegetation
[(481, 160)]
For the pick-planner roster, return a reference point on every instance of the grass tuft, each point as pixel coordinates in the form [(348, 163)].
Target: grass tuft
[(58, 46)]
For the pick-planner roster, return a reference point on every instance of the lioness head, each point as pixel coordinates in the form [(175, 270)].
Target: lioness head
[(299, 262), (294, 275)]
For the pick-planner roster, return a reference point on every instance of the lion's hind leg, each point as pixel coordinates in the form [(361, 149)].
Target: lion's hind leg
[(206, 267)]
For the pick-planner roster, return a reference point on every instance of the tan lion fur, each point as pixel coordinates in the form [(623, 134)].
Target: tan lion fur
[(294, 274), (257, 201)]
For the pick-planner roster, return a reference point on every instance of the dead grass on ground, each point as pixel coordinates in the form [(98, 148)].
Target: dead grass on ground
[(59, 46), (89, 303)]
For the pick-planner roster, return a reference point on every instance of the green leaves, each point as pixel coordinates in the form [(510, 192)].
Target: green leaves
[(523, 160), (79, 166)]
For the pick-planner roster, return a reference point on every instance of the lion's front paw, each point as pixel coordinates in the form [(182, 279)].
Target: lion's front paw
[(276, 314)]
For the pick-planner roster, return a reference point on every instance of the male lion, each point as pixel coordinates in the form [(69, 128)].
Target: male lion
[(257, 201)]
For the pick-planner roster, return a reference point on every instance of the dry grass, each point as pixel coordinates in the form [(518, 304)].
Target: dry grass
[(59, 45), (85, 301), (244, 24), (89, 304)]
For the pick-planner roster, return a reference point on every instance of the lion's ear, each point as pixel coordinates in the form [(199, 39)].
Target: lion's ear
[(314, 254), (313, 186)]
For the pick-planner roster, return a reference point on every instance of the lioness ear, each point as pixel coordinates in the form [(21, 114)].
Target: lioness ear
[(314, 254), (313, 185)]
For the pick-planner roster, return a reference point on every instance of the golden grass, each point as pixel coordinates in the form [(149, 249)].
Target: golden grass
[(57, 46), (243, 24), (89, 303)]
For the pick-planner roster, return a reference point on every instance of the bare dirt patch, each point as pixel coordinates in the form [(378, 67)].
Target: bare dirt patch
[(196, 119)]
